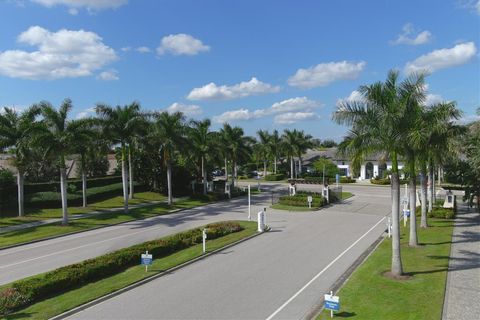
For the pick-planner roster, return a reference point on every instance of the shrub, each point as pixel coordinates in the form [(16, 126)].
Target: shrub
[(379, 181), (442, 213), (275, 177), (55, 186), (7, 179), (347, 180), (301, 199), (33, 289)]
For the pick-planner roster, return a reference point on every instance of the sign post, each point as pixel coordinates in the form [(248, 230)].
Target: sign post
[(337, 179), (261, 221), (258, 183), (249, 205), (204, 238), (146, 260), (331, 303), (309, 199)]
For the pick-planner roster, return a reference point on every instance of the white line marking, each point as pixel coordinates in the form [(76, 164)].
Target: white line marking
[(321, 272)]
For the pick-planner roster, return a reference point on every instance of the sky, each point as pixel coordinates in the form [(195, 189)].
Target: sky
[(271, 64)]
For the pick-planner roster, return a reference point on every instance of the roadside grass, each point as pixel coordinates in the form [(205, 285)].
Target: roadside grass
[(53, 306), (370, 295), (346, 195), (32, 215), (105, 219), (279, 206)]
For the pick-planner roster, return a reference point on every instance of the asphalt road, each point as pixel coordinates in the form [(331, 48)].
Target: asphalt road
[(279, 275)]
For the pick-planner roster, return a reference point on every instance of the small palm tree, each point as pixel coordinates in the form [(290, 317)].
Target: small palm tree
[(264, 148), (202, 143), (275, 144), (119, 125), (290, 142), (304, 142), (169, 131), (58, 139), (16, 131)]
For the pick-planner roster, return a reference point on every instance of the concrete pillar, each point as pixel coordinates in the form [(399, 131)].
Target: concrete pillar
[(363, 172), (375, 170)]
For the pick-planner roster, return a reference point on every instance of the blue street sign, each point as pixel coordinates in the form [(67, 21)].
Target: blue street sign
[(337, 178), (331, 305), (147, 261)]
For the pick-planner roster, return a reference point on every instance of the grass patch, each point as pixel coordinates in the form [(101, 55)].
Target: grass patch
[(41, 232), (346, 195), (50, 307), (33, 215), (279, 206), (369, 295)]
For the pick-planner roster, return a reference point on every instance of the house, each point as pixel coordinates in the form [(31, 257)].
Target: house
[(372, 166)]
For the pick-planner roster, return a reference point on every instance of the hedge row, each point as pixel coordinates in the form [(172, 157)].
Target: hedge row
[(274, 177), (216, 196), (76, 183), (301, 200), (28, 291), (347, 180)]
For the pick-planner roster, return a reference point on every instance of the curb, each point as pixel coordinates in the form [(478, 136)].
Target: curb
[(147, 280), (315, 311), (105, 226)]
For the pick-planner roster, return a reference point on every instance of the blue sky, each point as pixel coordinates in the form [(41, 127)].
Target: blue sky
[(256, 64)]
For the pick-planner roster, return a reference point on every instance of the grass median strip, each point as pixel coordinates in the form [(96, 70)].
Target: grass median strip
[(56, 229), (70, 299), (368, 294)]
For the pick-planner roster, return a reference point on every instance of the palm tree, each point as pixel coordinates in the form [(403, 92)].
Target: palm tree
[(201, 140), (304, 142), (169, 131), (275, 143), (119, 125), (376, 126), (290, 142), (236, 145), (58, 139), (16, 132), (264, 146)]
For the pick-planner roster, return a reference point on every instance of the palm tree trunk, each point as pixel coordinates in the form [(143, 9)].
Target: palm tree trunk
[(299, 165), (275, 164), (234, 174), (413, 240), (124, 180), (204, 176), (423, 183), (21, 198), (396, 268), (63, 191), (169, 182), (430, 179), (264, 168), (84, 188), (226, 175), (130, 172), (291, 167)]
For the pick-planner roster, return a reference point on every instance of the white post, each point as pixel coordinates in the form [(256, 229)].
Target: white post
[(204, 238), (261, 221), (249, 205), (146, 265), (331, 311), (389, 227), (258, 185)]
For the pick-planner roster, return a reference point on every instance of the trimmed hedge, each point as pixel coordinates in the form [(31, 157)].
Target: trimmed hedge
[(28, 291), (385, 181), (301, 200), (442, 213), (77, 183), (347, 180), (274, 177)]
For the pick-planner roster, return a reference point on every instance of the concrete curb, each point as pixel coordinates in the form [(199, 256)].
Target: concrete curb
[(315, 311), (147, 280), (105, 226)]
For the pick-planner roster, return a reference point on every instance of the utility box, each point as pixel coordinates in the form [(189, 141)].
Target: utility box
[(449, 200)]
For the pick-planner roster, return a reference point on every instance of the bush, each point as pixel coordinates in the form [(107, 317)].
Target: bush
[(275, 177), (379, 181), (301, 199), (77, 183), (347, 180), (7, 179), (33, 289), (442, 213)]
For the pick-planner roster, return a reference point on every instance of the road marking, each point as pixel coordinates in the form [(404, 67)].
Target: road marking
[(321, 272)]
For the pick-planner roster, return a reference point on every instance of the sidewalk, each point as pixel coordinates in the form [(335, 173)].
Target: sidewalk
[(78, 216), (462, 294)]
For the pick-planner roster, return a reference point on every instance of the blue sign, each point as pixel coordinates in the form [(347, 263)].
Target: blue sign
[(331, 305), (147, 261), (407, 213), (337, 178)]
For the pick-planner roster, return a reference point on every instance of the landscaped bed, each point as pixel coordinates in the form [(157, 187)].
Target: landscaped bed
[(41, 298), (368, 294)]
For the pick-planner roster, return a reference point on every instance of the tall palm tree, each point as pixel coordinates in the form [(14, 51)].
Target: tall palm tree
[(237, 146), (290, 142), (119, 125), (16, 132), (376, 125), (202, 143), (58, 139), (264, 148), (304, 142), (275, 144), (169, 131)]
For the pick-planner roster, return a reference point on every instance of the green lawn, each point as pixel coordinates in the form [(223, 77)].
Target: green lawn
[(279, 206), (36, 233), (346, 195), (43, 214), (370, 295), (50, 307)]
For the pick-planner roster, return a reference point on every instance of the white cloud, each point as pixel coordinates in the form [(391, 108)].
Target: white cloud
[(302, 105), (109, 75), (293, 117), (91, 5), (244, 89), (408, 36), (325, 73), (61, 54), (431, 99), (126, 49), (234, 115), (355, 96), (442, 58), (181, 44), (143, 49), (85, 113), (187, 109)]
